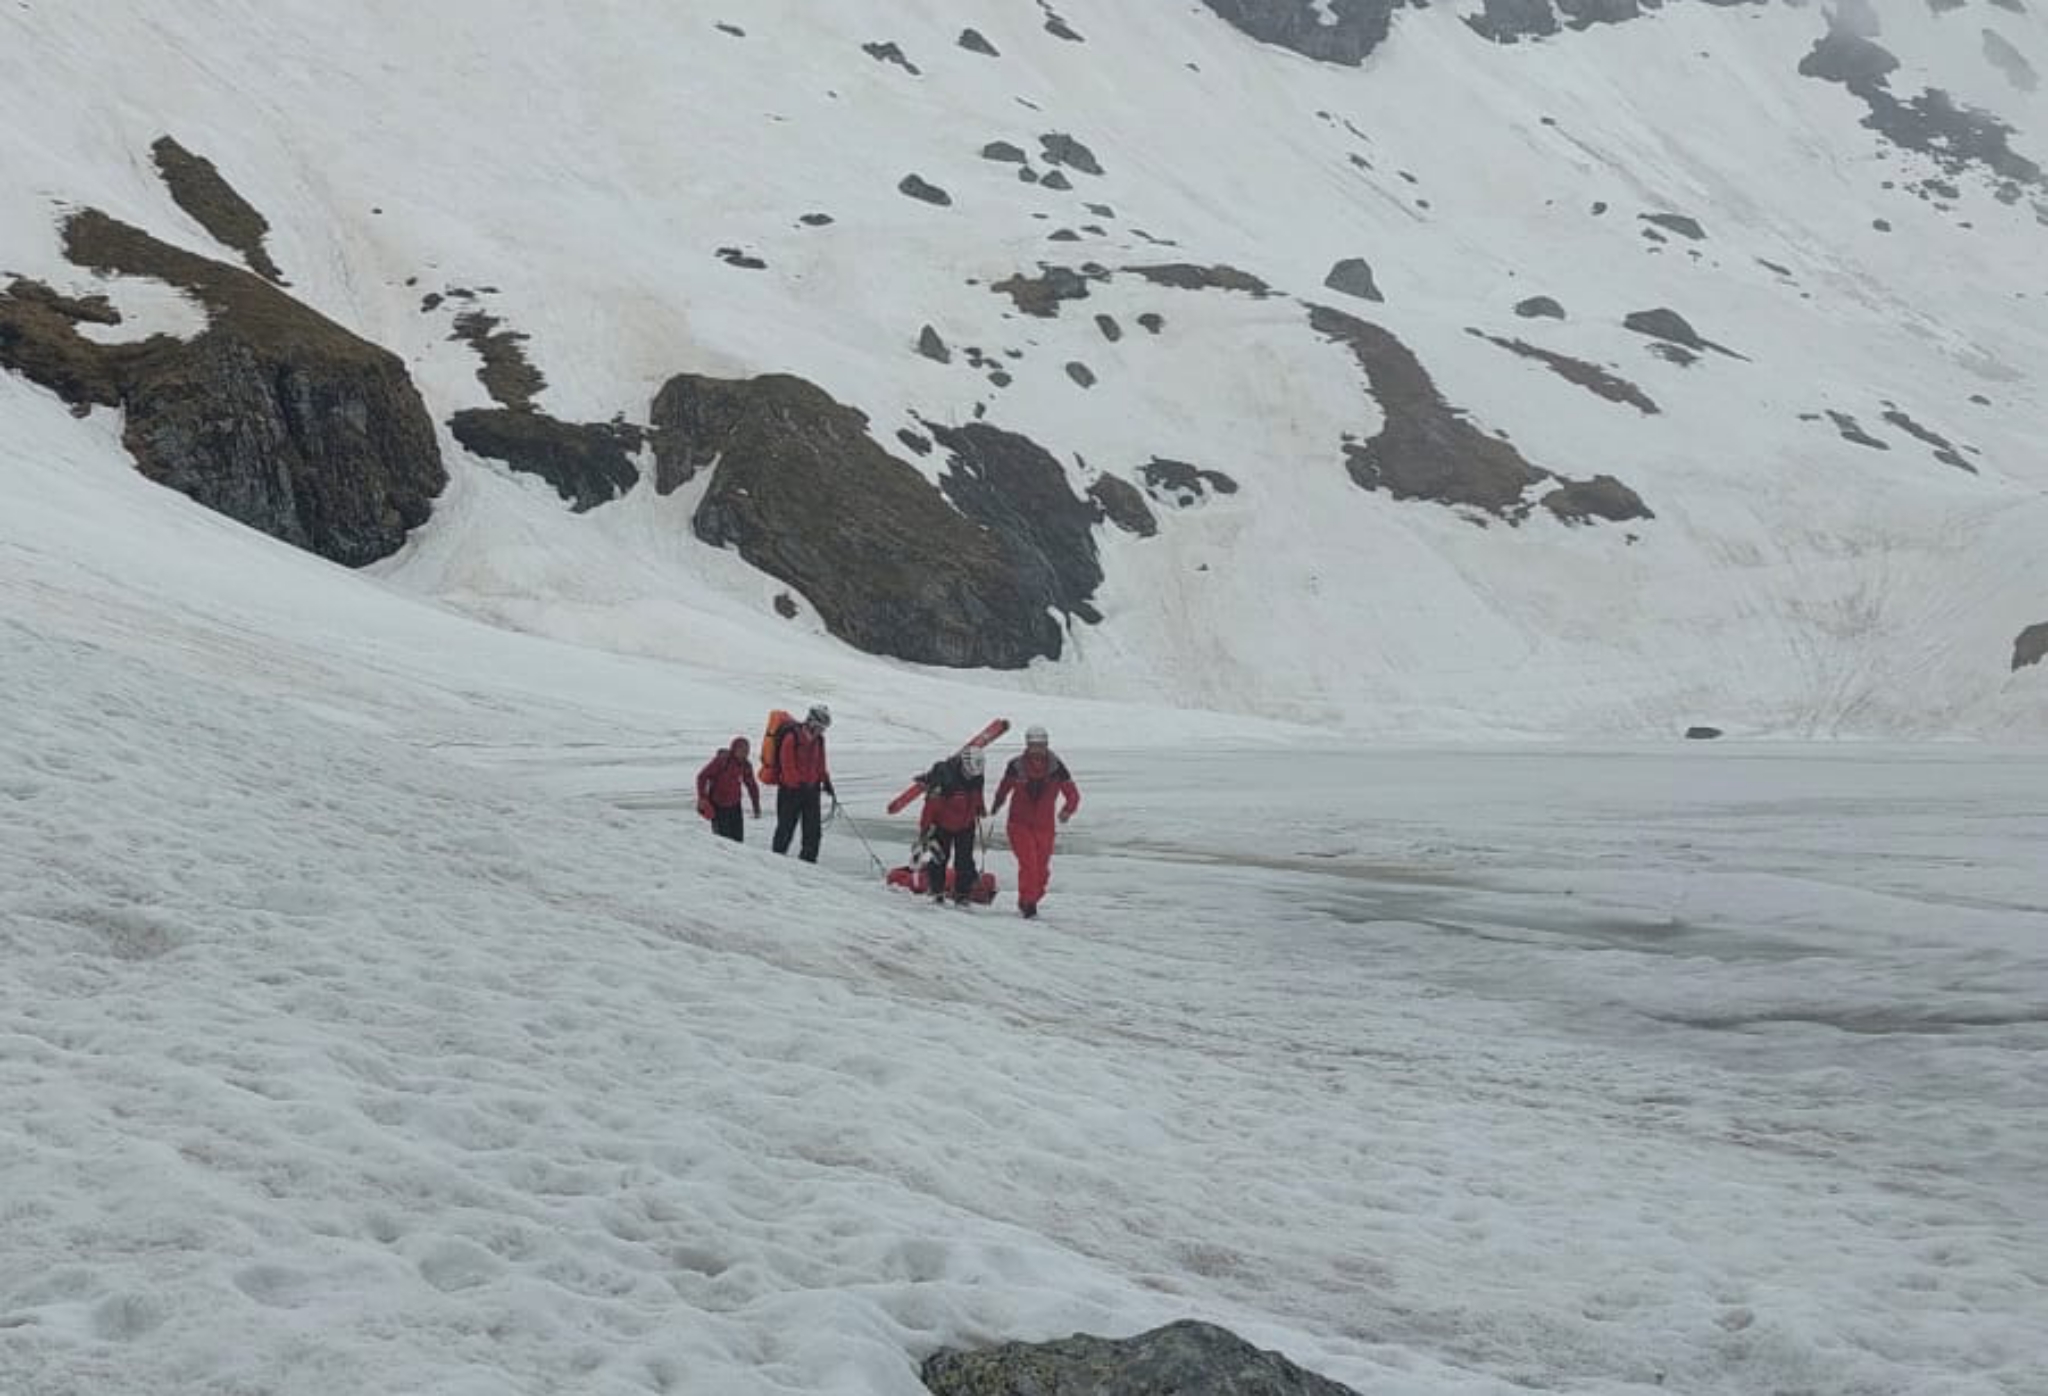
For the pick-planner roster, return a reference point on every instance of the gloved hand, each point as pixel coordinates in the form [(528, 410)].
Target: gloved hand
[(1065, 815), (757, 811), (704, 808)]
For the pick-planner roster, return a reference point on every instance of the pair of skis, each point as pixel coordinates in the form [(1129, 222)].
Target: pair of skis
[(980, 739)]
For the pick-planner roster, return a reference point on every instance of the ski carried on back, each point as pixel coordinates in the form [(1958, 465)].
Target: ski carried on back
[(979, 739)]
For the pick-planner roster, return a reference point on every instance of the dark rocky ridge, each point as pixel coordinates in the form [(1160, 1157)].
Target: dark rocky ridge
[(1591, 377), (1013, 486), (1426, 449), (1184, 1359), (1185, 276), (1360, 25), (588, 465), (1429, 450), (273, 415), (229, 219), (504, 370), (1954, 137), (806, 495)]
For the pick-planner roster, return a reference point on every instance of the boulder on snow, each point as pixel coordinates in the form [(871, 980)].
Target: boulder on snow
[(1353, 277), (2031, 647), (1123, 505), (1186, 1359), (1701, 734)]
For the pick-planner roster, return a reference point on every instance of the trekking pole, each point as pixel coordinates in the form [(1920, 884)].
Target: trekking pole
[(855, 825)]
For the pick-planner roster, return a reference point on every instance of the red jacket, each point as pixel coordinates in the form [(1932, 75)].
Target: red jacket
[(1033, 788), (953, 803), (722, 779), (800, 757)]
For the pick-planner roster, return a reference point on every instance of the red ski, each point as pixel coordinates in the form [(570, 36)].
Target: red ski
[(982, 738)]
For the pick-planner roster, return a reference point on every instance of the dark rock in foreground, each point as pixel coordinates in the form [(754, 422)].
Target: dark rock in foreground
[(805, 494), (1181, 1359), (1701, 734), (273, 415)]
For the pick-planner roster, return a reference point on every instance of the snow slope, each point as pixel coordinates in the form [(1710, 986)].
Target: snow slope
[(585, 166), (378, 1017)]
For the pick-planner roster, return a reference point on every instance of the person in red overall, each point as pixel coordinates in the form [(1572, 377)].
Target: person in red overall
[(800, 756), (718, 791), (1033, 784), (953, 804)]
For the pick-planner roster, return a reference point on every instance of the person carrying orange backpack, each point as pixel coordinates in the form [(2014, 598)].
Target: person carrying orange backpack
[(1035, 785), (718, 791), (802, 777)]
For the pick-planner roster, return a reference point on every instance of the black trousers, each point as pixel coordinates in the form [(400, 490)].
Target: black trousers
[(794, 805), (727, 823), (959, 850)]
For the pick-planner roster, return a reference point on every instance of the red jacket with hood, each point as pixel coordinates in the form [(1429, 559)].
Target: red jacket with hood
[(726, 775), (1033, 786)]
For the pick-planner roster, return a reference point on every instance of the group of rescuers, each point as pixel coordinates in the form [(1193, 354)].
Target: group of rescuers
[(1037, 787)]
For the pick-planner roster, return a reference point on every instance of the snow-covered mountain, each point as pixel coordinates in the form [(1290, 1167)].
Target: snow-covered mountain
[(1596, 368), (377, 1016)]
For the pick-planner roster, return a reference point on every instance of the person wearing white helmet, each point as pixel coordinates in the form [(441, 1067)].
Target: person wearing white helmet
[(805, 778), (953, 807), (1040, 791)]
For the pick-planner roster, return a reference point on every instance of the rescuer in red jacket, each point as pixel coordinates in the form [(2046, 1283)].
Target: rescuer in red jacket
[(1034, 784), (800, 756), (718, 790), (953, 804)]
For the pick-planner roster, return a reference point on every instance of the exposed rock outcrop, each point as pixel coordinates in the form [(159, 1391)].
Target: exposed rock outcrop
[(1593, 378), (1353, 277), (1185, 276), (2031, 647), (273, 415), (1330, 31), (1181, 485), (1185, 1358), (805, 494), (1426, 449), (1602, 497), (1954, 136), (1123, 505), (1041, 295), (229, 219), (1011, 484), (588, 465)]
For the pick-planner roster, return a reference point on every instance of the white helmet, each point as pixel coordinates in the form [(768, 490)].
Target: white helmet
[(971, 761), (819, 716), (1034, 735)]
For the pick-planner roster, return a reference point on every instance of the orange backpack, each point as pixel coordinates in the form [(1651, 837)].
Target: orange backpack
[(779, 722)]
